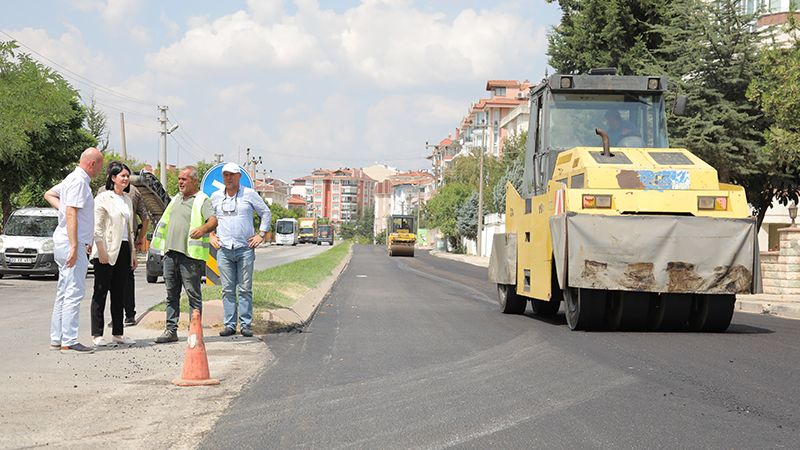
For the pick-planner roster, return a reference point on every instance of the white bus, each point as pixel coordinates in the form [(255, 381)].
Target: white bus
[(286, 232)]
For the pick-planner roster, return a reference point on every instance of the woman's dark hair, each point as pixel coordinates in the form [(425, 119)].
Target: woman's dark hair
[(114, 168)]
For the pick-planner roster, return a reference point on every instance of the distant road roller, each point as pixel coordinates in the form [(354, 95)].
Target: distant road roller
[(402, 237), (630, 233)]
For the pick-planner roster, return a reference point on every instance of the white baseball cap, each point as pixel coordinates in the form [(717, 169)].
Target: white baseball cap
[(231, 168)]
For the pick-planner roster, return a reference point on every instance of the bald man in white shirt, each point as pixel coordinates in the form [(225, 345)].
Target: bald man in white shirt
[(73, 242)]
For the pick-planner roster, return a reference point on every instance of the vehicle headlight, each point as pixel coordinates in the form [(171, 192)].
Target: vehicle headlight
[(48, 246)]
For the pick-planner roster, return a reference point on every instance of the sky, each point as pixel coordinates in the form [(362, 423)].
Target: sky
[(304, 84)]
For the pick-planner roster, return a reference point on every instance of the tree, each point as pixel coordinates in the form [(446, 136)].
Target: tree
[(442, 209), (514, 165), (466, 170), (711, 53), (775, 92), (41, 132), (605, 33), (96, 124), (467, 218)]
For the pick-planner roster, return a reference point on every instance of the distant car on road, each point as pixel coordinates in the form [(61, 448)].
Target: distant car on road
[(325, 234), (26, 245)]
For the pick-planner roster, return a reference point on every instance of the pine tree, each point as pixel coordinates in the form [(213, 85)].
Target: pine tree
[(467, 217), (605, 33)]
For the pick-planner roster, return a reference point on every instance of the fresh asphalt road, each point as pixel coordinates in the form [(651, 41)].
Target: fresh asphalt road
[(414, 353)]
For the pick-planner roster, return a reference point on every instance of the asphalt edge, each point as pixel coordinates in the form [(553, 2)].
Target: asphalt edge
[(297, 317)]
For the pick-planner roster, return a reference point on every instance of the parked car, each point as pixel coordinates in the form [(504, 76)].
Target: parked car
[(155, 264), (26, 245), (325, 234)]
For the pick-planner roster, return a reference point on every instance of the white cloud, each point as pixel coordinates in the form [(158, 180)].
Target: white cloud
[(390, 43), (265, 11), (68, 51), (116, 11), (235, 42)]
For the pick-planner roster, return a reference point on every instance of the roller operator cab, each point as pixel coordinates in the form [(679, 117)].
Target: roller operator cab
[(402, 235), (630, 233)]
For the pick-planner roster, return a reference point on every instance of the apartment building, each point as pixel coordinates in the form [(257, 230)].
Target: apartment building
[(341, 195), (402, 193), (481, 127)]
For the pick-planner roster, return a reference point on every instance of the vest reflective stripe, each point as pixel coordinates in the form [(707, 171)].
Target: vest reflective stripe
[(196, 248)]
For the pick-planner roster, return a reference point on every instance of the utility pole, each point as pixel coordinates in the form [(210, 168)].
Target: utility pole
[(122, 135), (480, 188), (162, 155), (219, 157)]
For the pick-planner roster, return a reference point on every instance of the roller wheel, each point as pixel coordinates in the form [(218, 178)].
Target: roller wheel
[(545, 308), (510, 302), (628, 310), (585, 308), (152, 279), (711, 313), (669, 312)]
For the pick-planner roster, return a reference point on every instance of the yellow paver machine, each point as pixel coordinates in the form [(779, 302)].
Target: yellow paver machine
[(402, 238), (630, 233)]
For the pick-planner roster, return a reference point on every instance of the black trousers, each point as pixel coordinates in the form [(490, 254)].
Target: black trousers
[(115, 279), (130, 299)]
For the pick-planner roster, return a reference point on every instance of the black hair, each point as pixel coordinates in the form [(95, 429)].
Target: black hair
[(114, 168)]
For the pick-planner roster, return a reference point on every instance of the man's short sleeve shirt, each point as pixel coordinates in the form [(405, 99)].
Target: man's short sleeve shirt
[(76, 192)]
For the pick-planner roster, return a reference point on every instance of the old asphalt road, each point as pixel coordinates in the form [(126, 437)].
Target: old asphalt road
[(413, 352)]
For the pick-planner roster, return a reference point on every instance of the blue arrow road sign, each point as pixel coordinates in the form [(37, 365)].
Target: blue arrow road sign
[(212, 180)]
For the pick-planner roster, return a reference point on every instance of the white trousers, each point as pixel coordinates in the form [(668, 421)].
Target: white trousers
[(69, 293)]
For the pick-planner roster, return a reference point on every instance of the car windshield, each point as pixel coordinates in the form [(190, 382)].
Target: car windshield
[(630, 120), (284, 227), (38, 226), (306, 230), (323, 230)]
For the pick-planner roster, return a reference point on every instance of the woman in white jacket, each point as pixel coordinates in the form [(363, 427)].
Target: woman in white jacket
[(113, 254)]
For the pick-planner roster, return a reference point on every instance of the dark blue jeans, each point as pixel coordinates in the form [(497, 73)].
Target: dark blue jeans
[(182, 271)]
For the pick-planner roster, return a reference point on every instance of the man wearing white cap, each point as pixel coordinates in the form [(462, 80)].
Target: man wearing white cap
[(236, 240)]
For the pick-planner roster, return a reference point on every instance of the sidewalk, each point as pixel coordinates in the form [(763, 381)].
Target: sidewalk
[(786, 306)]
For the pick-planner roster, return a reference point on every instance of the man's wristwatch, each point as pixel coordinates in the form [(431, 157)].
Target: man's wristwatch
[(263, 234)]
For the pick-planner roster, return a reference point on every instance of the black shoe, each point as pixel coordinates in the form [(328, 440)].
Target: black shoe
[(167, 336), (247, 332), (227, 331), (77, 348), (130, 322)]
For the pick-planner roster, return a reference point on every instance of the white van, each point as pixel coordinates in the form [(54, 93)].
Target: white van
[(26, 245), (286, 232)]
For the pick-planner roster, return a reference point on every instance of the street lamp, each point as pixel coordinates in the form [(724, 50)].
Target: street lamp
[(793, 212)]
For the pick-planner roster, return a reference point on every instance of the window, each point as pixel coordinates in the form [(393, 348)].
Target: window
[(500, 91)]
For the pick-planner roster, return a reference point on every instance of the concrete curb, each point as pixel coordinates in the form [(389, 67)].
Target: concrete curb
[(783, 309), (787, 307), (300, 314)]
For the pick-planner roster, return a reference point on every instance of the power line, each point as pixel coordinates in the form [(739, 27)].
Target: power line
[(80, 77), (188, 135)]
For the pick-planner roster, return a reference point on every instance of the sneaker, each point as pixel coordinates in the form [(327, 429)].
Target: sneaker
[(247, 332), (55, 346), (227, 331), (76, 348), (99, 341), (130, 322), (167, 336), (124, 340)]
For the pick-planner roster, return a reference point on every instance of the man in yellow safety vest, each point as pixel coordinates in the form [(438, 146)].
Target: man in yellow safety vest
[(182, 237)]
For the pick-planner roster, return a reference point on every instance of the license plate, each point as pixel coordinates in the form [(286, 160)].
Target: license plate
[(21, 260)]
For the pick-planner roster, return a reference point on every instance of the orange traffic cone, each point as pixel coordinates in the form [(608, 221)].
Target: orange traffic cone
[(195, 365)]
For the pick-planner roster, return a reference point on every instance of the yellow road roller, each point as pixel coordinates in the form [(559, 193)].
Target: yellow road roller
[(629, 232), (402, 237)]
